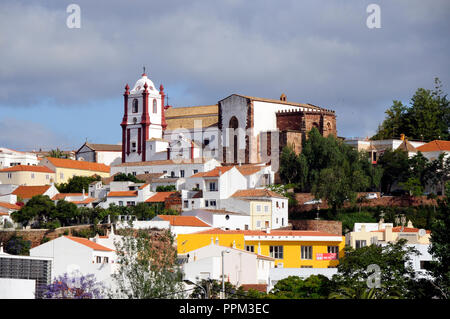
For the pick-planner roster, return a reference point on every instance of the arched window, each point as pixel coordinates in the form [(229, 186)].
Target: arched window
[(135, 106), (234, 124), (155, 108), (329, 126)]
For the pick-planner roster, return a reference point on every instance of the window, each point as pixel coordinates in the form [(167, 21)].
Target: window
[(258, 224), (182, 173), (278, 205), (135, 106), (146, 172), (197, 186), (155, 108), (360, 243), (258, 208), (195, 171), (99, 259), (120, 203), (282, 221), (306, 252), (206, 141), (276, 252), (213, 203), (276, 222), (61, 175), (131, 203), (333, 250), (32, 175), (105, 260), (282, 204), (134, 173), (133, 146), (266, 208), (250, 248), (47, 177), (206, 203), (92, 194), (9, 175), (186, 204), (172, 174), (425, 264), (212, 187)]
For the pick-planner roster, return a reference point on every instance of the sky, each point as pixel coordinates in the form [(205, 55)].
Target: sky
[(61, 86)]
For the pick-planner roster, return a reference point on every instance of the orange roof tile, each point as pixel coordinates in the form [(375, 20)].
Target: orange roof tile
[(214, 172), (159, 197), (256, 193), (176, 220), (88, 243), (263, 233), (123, 194), (85, 201), (4, 214), (27, 168), (143, 186), (82, 165), (10, 206), (249, 170), (64, 195), (30, 191), (434, 146)]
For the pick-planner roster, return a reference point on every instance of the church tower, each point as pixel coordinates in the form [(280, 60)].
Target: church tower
[(143, 119)]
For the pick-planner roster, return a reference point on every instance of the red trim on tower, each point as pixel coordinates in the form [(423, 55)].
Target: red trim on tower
[(124, 119), (168, 153), (145, 121), (123, 144)]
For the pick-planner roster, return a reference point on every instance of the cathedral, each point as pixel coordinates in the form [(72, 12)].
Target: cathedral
[(238, 129)]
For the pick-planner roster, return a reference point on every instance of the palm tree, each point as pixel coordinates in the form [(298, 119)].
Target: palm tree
[(56, 153)]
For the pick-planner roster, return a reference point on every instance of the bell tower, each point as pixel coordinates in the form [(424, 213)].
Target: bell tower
[(143, 119)]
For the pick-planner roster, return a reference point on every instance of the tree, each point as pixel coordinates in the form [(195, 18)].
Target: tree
[(147, 266), (291, 169), (427, 117), (293, 287), (39, 209), (440, 246), (412, 186), (213, 289), (122, 177), (395, 165), (76, 184), (393, 260), (57, 153), (66, 212), (16, 245), (166, 188), (74, 286)]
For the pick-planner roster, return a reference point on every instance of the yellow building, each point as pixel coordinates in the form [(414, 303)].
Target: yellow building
[(290, 248), (66, 168), (28, 175), (260, 214)]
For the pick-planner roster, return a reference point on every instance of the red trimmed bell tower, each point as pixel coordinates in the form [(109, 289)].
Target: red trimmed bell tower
[(125, 140)]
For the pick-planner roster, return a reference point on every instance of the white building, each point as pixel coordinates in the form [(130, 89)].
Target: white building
[(221, 218), (240, 266), (108, 154), (10, 158), (70, 254), (126, 194)]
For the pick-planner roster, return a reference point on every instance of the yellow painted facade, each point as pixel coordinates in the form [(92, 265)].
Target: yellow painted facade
[(291, 249), (63, 174), (27, 178), (260, 211)]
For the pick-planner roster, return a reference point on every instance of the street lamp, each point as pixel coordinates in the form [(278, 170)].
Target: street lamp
[(223, 273), (189, 282)]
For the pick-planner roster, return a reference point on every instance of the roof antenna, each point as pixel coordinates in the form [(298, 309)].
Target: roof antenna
[(144, 70)]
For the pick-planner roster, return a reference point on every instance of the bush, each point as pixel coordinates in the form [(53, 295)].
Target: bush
[(52, 225), (16, 245), (85, 233), (44, 240), (8, 224), (167, 188)]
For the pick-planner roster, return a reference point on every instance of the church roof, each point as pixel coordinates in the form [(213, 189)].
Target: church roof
[(105, 147), (185, 117), (139, 86), (277, 101)]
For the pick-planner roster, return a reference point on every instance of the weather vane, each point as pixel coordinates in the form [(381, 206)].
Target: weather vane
[(143, 68)]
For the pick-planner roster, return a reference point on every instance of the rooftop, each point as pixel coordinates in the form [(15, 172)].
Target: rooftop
[(256, 193), (81, 165), (159, 197), (26, 192), (27, 168), (176, 220), (435, 146), (88, 243)]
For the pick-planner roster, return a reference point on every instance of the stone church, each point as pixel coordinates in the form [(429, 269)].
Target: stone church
[(238, 129)]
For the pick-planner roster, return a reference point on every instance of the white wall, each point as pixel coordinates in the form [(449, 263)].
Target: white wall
[(13, 288)]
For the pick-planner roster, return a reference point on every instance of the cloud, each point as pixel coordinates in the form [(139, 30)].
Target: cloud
[(202, 51), (27, 135)]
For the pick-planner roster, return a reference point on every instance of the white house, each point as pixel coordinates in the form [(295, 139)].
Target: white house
[(126, 194), (240, 266), (108, 154), (27, 192), (10, 158), (221, 218), (70, 254)]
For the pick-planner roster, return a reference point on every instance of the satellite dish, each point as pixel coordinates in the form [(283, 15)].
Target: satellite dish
[(422, 232)]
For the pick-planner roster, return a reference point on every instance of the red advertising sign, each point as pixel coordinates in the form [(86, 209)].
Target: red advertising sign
[(326, 256)]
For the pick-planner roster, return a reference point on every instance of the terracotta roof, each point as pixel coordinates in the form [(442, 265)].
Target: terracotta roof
[(176, 220), (172, 112), (64, 195), (9, 206), (249, 170), (434, 146), (407, 147), (166, 162), (88, 243), (85, 201), (149, 176), (263, 233), (30, 191), (122, 194), (159, 197), (143, 186), (214, 172), (27, 168), (4, 214), (256, 193), (82, 165), (105, 147), (258, 287), (185, 117)]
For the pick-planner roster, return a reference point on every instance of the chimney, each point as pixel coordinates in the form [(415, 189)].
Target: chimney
[(410, 225)]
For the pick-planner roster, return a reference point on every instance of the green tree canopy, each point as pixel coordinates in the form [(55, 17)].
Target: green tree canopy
[(122, 177), (76, 184)]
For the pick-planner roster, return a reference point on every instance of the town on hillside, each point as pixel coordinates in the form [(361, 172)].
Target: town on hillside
[(243, 198)]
